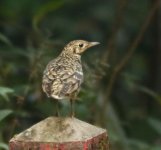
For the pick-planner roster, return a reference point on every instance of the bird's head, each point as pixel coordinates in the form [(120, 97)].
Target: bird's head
[(79, 46)]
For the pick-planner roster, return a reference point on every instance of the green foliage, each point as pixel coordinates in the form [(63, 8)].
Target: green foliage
[(156, 124), (4, 91), (5, 40), (4, 146), (151, 93), (44, 9), (4, 113)]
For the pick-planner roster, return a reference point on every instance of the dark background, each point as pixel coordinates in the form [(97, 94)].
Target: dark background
[(122, 87)]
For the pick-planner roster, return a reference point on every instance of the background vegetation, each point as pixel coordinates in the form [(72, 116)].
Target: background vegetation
[(122, 84)]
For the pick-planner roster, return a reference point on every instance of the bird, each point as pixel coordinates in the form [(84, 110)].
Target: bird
[(63, 76)]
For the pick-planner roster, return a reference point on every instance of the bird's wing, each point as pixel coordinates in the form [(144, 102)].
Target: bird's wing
[(60, 81), (71, 84), (66, 83)]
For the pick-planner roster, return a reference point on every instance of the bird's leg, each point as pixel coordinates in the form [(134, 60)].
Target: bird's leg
[(57, 108), (72, 107)]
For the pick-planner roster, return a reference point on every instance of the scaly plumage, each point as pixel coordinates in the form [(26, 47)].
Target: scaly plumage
[(63, 75)]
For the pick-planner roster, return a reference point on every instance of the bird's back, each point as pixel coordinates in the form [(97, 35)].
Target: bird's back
[(62, 77)]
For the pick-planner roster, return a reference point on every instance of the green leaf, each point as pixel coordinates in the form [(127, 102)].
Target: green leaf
[(4, 146), (4, 91), (4, 113), (156, 124), (151, 93), (156, 148), (5, 40), (45, 9)]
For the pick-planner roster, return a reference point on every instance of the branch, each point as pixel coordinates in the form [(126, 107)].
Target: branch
[(131, 50)]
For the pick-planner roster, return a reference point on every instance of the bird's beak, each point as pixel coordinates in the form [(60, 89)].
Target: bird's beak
[(93, 44)]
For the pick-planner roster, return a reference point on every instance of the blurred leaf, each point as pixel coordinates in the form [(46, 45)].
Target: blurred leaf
[(4, 146), (4, 91), (156, 124), (148, 91), (139, 145), (131, 84), (44, 9), (19, 51), (158, 147), (4, 113), (5, 40), (115, 129), (22, 113)]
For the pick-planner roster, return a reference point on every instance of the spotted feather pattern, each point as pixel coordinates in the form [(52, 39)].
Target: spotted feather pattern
[(63, 76)]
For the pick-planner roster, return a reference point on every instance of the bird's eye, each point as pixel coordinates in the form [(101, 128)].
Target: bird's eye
[(80, 45)]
